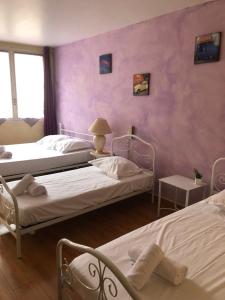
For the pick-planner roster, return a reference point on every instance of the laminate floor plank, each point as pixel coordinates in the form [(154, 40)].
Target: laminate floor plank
[(6, 292)]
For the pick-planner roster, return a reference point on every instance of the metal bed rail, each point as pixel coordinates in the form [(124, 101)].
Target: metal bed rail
[(106, 285)]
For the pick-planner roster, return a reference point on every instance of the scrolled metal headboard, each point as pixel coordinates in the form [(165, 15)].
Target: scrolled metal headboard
[(218, 176), (135, 149), (106, 286)]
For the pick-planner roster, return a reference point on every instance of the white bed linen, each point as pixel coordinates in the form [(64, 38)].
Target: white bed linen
[(71, 191), (194, 236), (32, 157)]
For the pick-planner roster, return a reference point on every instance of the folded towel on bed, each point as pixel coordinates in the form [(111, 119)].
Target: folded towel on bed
[(167, 268), (2, 148), (6, 154), (22, 185), (145, 264), (35, 189)]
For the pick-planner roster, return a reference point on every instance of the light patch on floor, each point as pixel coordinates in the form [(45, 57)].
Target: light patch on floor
[(3, 230)]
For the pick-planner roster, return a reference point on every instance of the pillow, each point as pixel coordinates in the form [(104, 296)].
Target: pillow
[(49, 141), (116, 167), (72, 144), (217, 199)]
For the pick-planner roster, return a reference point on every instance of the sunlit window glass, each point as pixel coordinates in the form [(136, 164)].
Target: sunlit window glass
[(5, 87), (29, 85)]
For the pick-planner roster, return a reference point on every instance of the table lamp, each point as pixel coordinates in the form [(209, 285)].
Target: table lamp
[(99, 128)]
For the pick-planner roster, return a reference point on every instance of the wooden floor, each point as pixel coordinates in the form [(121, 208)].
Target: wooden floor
[(34, 276)]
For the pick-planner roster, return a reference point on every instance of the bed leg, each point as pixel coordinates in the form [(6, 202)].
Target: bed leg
[(59, 272), (18, 245), (153, 194)]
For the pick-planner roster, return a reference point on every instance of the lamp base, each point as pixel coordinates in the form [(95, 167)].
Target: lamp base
[(99, 142)]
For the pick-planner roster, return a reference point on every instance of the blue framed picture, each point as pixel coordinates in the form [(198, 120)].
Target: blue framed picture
[(207, 48), (105, 63)]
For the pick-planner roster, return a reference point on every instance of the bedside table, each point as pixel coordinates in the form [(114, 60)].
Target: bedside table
[(99, 155), (179, 182)]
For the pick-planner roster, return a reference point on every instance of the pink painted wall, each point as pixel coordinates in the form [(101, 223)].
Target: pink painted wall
[(184, 116)]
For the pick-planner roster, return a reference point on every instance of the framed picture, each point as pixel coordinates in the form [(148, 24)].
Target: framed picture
[(105, 63), (207, 48), (141, 84)]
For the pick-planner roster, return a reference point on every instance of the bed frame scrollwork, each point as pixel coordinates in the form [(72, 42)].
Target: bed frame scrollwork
[(218, 176), (106, 287)]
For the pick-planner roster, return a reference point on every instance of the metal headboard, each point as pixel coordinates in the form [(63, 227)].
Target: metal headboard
[(218, 176), (135, 149), (72, 133), (106, 287)]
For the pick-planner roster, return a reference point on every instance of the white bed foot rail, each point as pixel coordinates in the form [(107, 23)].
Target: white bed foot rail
[(11, 215), (105, 286)]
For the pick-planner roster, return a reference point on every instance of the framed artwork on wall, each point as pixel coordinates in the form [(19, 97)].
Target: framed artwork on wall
[(105, 63), (207, 48), (141, 84)]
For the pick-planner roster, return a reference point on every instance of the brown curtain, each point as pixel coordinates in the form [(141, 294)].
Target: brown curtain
[(50, 121)]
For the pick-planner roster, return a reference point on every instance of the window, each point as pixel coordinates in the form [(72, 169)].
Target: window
[(29, 85), (5, 84), (21, 84)]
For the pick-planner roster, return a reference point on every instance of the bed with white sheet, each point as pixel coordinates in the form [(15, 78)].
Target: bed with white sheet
[(75, 192), (193, 237), (43, 156)]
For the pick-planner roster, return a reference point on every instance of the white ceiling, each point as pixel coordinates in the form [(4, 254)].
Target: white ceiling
[(58, 22)]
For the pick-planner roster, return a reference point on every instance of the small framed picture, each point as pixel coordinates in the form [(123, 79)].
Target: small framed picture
[(207, 48), (105, 63), (141, 84)]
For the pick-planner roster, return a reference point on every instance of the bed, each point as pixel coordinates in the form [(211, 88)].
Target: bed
[(76, 192), (35, 158), (194, 236)]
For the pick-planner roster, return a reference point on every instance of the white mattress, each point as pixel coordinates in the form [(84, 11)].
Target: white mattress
[(71, 191), (31, 158), (194, 237)]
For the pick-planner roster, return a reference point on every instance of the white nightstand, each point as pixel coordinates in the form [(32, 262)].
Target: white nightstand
[(99, 155), (179, 182)]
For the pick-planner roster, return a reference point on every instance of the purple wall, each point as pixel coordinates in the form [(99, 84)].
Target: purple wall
[(184, 116)]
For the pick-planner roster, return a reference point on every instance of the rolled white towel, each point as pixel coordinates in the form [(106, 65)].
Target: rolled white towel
[(35, 189), (2, 148), (167, 268), (145, 264), (22, 185), (6, 154)]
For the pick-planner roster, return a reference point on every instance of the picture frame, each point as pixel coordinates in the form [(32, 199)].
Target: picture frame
[(141, 84), (207, 48), (105, 63)]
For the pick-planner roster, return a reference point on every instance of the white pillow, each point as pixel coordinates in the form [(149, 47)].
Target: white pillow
[(72, 144), (116, 167), (49, 141), (217, 199)]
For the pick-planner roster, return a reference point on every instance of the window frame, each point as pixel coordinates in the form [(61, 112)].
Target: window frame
[(12, 49)]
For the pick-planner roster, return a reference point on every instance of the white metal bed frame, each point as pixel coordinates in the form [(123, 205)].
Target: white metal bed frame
[(64, 273), (72, 133), (13, 212)]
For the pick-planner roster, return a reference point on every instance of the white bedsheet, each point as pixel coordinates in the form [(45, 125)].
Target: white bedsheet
[(71, 191), (31, 158), (194, 236)]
